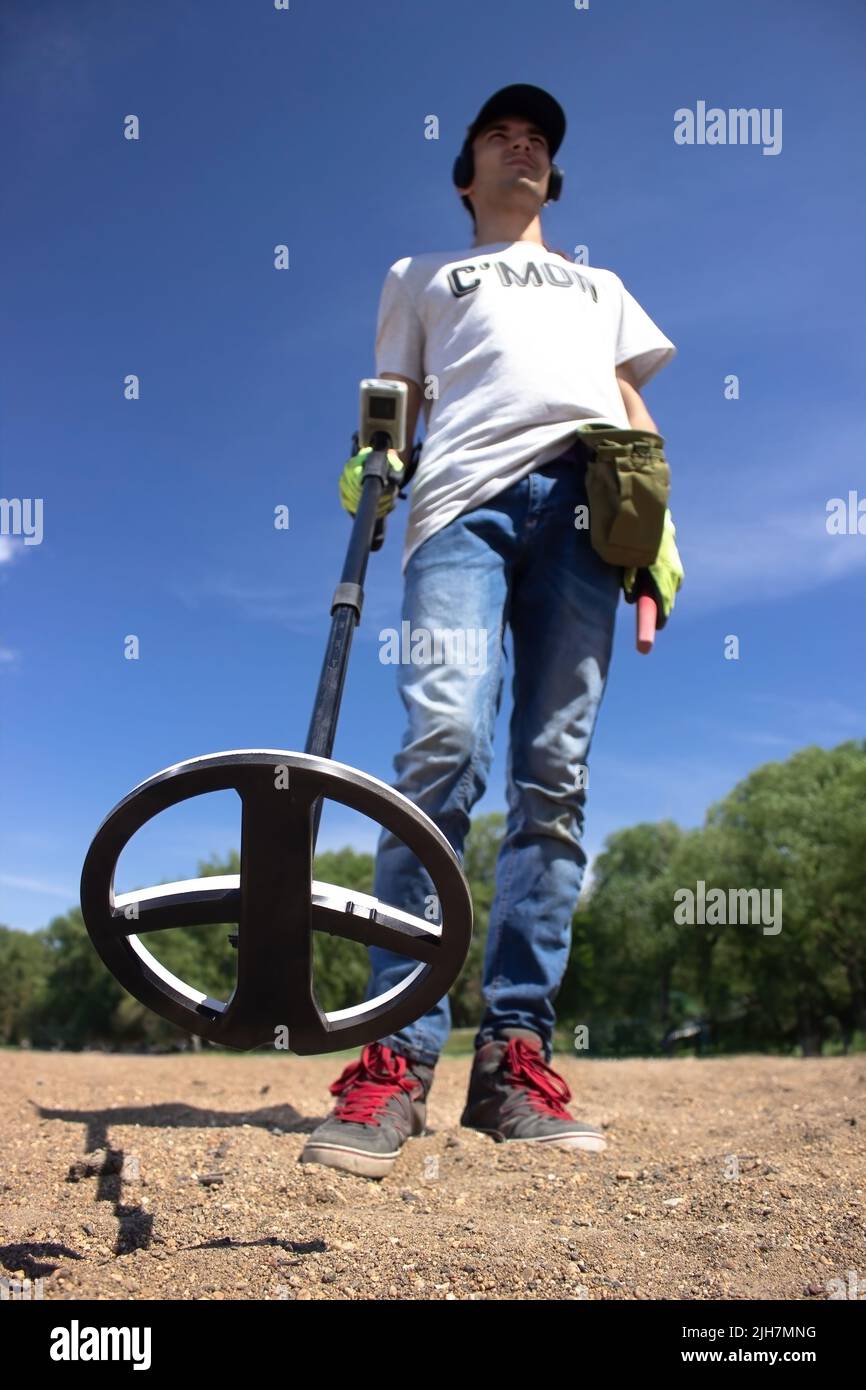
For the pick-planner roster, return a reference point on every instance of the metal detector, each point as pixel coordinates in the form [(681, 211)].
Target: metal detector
[(275, 902)]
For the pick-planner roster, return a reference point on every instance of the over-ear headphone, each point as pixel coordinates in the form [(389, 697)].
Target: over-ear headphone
[(464, 172)]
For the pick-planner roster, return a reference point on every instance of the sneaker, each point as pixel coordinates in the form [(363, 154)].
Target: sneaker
[(382, 1104), (514, 1094)]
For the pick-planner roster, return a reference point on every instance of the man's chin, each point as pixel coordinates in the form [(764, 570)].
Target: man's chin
[(525, 183)]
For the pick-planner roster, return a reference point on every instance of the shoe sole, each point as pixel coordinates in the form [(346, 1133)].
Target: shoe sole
[(589, 1143), (360, 1161)]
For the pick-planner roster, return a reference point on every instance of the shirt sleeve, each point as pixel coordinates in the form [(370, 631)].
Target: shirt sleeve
[(399, 331), (640, 341)]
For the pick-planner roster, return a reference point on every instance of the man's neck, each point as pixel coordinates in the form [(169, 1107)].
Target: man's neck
[(490, 230)]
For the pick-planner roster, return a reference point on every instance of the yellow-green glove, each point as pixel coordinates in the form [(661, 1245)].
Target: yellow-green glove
[(660, 580), (351, 482)]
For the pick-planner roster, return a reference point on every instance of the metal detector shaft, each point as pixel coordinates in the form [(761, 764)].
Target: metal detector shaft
[(346, 609)]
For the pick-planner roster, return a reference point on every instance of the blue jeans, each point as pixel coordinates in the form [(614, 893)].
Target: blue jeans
[(517, 559)]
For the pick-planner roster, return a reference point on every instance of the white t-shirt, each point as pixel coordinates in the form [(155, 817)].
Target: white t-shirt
[(516, 343)]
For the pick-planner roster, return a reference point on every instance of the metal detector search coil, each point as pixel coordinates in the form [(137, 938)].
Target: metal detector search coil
[(277, 904)]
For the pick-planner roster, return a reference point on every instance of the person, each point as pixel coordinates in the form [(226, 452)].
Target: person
[(511, 348)]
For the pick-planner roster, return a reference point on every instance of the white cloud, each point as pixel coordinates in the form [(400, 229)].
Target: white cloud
[(752, 516), (36, 885), (262, 603), (822, 714), (762, 738), (9, 549), (729, 558)]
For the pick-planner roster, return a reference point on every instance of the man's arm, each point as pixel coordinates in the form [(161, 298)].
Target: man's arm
[(413, 406), (639, 417)]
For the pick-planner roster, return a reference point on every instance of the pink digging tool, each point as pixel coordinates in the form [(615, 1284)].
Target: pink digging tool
[(646, 623)]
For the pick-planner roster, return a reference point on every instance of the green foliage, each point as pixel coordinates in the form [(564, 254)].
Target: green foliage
[(798, 827), (79, 997), (341, 968), (634, 971), (24, 967), (479, 866)]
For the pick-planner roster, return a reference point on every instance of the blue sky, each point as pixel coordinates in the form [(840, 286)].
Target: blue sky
[(306, 127)]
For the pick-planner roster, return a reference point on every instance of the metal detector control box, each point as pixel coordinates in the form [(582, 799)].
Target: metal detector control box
[(383, 409)]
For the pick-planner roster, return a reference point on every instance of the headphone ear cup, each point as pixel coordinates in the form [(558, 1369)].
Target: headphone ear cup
[(554, 186), (464, 169)]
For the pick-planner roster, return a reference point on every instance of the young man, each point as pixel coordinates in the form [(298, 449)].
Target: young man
[(510, 347)]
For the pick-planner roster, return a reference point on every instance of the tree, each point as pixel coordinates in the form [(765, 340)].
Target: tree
[(625, 944), (481, 852), (80, 996), (24, 964), (800, 827)]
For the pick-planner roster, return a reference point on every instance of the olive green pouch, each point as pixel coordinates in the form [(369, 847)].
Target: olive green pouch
[(628, 483)]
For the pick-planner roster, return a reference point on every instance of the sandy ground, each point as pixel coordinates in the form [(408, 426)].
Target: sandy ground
[(177, 1178)]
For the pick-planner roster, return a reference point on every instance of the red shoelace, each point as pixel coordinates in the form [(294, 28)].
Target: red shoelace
[(369, 1083), (546, 1091)]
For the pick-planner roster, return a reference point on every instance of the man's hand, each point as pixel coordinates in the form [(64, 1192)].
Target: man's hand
[(351, 482), (662, 579)]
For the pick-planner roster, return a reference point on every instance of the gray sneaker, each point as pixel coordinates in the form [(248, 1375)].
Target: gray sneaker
[(382, 1104), (514, 1094)]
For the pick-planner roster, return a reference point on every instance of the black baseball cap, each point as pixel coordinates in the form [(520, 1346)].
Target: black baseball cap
[(522, 99)]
